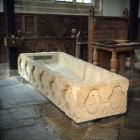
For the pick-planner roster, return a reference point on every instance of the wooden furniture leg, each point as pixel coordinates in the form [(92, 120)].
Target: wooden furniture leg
[(132, 64), (122, 57), (95, 56), (113, 62)]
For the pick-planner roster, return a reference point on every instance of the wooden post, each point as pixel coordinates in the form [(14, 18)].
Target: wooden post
[(10, 32), (133, 20), (8, 6), (90, 37)]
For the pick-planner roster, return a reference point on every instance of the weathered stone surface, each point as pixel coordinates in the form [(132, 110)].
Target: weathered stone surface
[(82, 90)]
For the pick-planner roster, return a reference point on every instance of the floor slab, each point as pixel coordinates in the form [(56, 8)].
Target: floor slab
[(26, 114)]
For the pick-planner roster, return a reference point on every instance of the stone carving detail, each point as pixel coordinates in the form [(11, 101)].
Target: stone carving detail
[(40, 79), (118, 101), (83, 94), (113, 101), (26, 63), (92, 101), (19, 64), (32, 72)]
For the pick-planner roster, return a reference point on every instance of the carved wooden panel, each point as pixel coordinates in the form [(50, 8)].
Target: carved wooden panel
[(48, 44), (29, 24), (18, 22), (42, 25), (49, 25), (109, 29), (53, 46)]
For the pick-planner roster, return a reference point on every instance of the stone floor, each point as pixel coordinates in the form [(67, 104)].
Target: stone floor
[(25, 114)]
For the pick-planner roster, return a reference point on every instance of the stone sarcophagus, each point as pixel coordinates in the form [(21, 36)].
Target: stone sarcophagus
[(81, 90)]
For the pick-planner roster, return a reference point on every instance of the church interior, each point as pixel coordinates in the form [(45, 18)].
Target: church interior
[(69, 70)]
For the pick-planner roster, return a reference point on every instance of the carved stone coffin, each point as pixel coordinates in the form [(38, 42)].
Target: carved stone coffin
[(81, 90)]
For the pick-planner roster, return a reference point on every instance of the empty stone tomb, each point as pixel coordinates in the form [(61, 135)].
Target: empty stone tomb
[(81, 90)]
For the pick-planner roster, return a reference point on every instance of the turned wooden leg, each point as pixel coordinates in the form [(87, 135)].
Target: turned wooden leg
[(113, 62), (95, 56), (122, 58), (132, 64)]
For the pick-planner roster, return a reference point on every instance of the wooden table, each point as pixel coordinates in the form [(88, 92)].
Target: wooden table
[(118, 54)]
